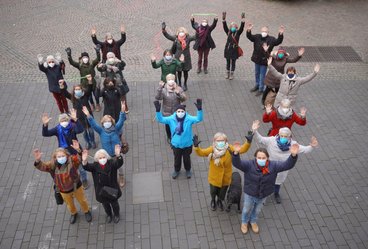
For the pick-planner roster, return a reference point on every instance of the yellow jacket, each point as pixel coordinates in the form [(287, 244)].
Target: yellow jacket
[(220, 175)]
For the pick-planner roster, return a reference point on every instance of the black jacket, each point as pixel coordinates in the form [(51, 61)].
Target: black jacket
[(231, 47), (53, 76), (260, 56), (111, 99), (209, 43), (105, 177)]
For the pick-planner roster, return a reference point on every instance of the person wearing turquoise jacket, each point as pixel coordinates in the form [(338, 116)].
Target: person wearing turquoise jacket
[(180, 124), (110, 133)]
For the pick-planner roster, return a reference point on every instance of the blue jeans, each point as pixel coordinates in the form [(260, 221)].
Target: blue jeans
[(260, 74), (251, 208), (83, 173)]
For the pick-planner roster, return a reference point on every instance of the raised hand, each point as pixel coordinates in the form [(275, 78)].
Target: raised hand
[(75, 145), (84, 156), (153, 58), (58, 56), (85, 111), (93, 30), (249, 26), (61, 84), (161, 84), (243, 15), (196, 141), (157, 105), (269, 60), (236, 147), (268, 108), (192, 18), (313, 142), (303, 111), (198, 104), (45, 119), (181, 58), (122, 28), (68, 51), (73, 114), (37, 154), (294, 149), (163, 25), (117, 149), (123, 106), (316, 68), (40, 58), (255, 125), (224, 15), (281, 29), (301, 51)]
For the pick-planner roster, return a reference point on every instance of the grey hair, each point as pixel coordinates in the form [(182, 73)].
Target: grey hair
[(286, 102), (101, 151), (285, 130), (219, 134)]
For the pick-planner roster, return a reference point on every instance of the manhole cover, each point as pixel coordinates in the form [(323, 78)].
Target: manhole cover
[(147, 187)]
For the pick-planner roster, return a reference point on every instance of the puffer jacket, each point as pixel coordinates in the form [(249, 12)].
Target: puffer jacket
[(169, 100)]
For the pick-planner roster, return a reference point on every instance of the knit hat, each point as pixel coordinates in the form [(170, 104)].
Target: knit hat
[(180, 106), (281, 50), (64, 116), (84, 54), (285, 131), (50, 58)]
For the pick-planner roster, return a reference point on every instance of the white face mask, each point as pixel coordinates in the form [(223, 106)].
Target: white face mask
[(107, 125), (51, 65), (111, 60), (264, 34), (181, 34), (64, 124), (285, 110), (204, 24), (102, 161), (168, 57), (180, 114), (85, 60), (109, 41)]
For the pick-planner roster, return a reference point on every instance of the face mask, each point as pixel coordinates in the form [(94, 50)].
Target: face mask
[(285, 110), (204, 24), (107, 125), (280, 56), (168, 57), (78, 93), (284, 140), (291, 75), (109, 41), (264, 34), (181, 34), (220, 144), (233, 29), (51, 65), (64, 124), (102, 161), (261, 162), (61, 160), (85, 60), (180, 114), (111, 60)]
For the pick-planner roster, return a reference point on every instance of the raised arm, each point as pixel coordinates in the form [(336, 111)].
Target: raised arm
[(250, 37), (213, 26), (94, 38), (295, 58), (241, 29), (224, 25), (273, 71), (122, 37), (159, 91), (122, 117), (239, 164), (98, 56), (70, 59), (308, 78), (168, 36), (280, 37)]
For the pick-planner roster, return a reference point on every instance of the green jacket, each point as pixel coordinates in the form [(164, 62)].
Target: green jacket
[(166, 68), (86, 69)]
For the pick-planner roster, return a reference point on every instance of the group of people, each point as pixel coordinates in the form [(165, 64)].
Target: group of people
[(263, 175)]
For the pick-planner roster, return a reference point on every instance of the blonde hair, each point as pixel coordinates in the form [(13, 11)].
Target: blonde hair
[(181, 29), (106, 117), (219, 134), (170, 77), (53, 157), (99, 152)]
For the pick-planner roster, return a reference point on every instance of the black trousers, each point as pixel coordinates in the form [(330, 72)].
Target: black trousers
[(185, 77), (232, 62), (111, 207), (168, 132), (219, 192), (182, 153)]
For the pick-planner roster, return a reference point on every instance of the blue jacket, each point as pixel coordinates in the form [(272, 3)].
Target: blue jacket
[(255, 183), (186, 138), (109, 138)]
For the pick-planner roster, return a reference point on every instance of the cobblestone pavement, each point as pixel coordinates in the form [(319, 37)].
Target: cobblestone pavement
[(324, 198)]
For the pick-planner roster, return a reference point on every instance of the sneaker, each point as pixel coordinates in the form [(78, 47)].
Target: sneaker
[(108, 219), (244, 228), (277, 198), (189, 174), (175, 174), (259, 93), (73, 218), (255, 227), (213, 205), (254, 89), (85, 184), (220, 205), (121, 181), (199, 70), (231, 77), (116, 218), (88, 216), (185, 87), (205, 71)]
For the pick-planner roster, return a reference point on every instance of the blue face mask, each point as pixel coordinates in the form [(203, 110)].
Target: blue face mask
[(61, 160), (284, 140), (78, 93), (233, 29), (261, 162), (291, 75), (220, 144), (280, 56)]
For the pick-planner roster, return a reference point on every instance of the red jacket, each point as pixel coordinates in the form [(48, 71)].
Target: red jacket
[(278, 123)]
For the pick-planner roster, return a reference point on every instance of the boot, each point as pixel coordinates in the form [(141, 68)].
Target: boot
[(121, 181), (185, 87), (231, 75), (213, 205), (227, 75)]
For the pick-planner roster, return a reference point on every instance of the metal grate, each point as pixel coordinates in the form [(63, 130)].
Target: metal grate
[(326, 54)]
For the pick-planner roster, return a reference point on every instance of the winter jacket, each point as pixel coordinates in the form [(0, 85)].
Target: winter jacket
[(278, 122), (107, 72), (220, 175), (185, 139), (53, 76), (86, 69), (187, 64), (76, 128), (209, 42), (260, 56), (278, 155), (169, 99), (109, 137), (167, 68), (255, 183), (106, 176), (112, 104), (272, 81), (113, 47), (289, 88), (66, 176), (231, 47)]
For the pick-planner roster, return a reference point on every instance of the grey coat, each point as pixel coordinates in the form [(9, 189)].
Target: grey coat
[(169, 100), (289, 88)]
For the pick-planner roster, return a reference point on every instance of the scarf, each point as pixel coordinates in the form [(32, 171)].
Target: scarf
[(202, 32), (264, 169), (62, 132), (110, 130), (217, 154), (179, 126), (282, 115), (102, 166), (182, 41), (283, 147)]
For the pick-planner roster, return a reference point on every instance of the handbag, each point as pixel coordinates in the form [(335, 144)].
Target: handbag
[(109, 193), (124, 145), (240, 50), (58, 198)]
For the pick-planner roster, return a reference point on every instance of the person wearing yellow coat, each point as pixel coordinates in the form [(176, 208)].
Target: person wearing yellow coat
[(220, 169)]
